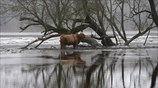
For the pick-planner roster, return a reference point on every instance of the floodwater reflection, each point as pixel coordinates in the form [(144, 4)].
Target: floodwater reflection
[(83, 69), (73, 59)]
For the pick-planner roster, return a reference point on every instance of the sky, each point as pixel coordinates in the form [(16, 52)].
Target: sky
[(13, 26)]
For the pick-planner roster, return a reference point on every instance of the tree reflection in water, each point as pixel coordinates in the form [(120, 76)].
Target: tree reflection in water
[(89, 69), (154, 75)]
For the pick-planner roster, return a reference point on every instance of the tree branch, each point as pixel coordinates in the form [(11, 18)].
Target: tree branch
[(23, 28), (138, 35), (143, 11), (27, 18), (40, 39), (153, 12), (49, 13), (79, 28)]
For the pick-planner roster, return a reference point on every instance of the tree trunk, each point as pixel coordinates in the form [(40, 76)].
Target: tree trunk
[(106, 41), (153, 12)]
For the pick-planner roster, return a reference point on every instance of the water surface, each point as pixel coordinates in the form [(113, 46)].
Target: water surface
[(113, 67)]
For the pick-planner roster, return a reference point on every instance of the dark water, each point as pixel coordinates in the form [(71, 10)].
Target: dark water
[(81, 68)]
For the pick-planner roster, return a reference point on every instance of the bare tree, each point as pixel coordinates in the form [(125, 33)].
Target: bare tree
[(54, 16), (134, 13), (58, 17)]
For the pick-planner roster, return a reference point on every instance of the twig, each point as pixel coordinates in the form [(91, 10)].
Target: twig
[(147, 37)]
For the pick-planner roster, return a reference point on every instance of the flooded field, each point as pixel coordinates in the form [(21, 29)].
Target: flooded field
[(132, 66)]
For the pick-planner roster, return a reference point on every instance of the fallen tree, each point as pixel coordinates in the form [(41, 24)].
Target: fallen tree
[(106, 41)]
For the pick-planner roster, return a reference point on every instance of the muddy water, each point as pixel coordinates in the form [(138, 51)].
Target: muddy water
[(81, 68)]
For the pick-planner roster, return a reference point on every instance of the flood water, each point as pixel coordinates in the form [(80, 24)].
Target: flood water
[(81, 68)]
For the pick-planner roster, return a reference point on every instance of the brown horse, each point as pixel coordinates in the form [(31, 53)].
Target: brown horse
[(71, 39)]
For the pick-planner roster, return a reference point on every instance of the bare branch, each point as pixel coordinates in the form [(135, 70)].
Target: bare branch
[(49, 13), (24, 28), (143, 11), (41, 39), (140, 33)]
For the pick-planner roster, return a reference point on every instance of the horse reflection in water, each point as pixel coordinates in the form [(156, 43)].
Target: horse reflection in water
[(72, 59)]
